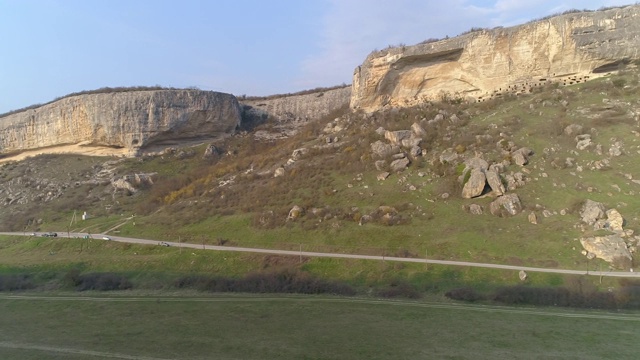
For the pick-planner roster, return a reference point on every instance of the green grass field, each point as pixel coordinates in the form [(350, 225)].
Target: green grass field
[(278, 327)]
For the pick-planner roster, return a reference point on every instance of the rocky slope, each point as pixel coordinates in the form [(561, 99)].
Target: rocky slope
[(131, 120), (482, 64)]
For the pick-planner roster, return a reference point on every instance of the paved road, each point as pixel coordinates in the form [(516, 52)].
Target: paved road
[(347, 256)]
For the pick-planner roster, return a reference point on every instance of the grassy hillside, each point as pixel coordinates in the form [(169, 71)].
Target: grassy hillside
[(233, 197)]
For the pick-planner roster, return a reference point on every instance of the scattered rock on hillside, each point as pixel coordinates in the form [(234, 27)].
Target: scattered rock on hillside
[(211, 151), (475, 209), (295, 212), (515, 181), (382, 149), (411, 142), (476, 163), (573, 130), (415, 151), (418, 130), (123, 184), (494, 181), (533, 218), (396, 137), (591, 212), (615, 221), (475, 185), (448, 156), (615, 149), (279, 172), (298, 153), (521, 156), (506, 205), (399, 165), (583, 141), (611, 248), (383, 176), (380, 165), (522, 275)]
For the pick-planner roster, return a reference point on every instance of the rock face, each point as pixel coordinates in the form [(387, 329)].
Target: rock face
[(295, 108), (132, 120), (483, 64)]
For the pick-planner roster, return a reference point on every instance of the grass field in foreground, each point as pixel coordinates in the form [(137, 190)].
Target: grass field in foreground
[(258, 327)]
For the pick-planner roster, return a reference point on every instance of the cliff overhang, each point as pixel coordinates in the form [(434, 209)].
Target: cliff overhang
[(483, 64)]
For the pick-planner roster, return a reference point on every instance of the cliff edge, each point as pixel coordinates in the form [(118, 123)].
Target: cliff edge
[(132, 120), (482, 64)]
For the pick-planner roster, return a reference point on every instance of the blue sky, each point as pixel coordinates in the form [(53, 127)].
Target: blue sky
[(50, 48)]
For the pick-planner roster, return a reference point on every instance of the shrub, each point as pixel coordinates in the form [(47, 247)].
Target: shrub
[(397, 289), (280, 281), (619, 83), (13, 282), (101, 282), (464, 294)]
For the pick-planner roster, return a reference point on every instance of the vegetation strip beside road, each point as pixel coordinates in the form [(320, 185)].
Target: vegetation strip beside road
[(598, 315), (346, 256)]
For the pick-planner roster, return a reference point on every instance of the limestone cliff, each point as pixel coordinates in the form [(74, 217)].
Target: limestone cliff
[(131, 120), (479, 65), (297, 108)]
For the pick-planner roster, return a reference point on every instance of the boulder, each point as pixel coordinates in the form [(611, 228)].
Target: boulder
[(494, 181), (279, 172), (591, 212), (418, 130), (295, 212), (497, 167), (399, 165), (506, 205), (583, 144), (524, 151), (382, 149), (396, 137), (475, 185), (475, 209), (615, 221), (615, 150), (380, 165), (476, 163), (385, 209), (383, 176), (519, 159), (123, 184), (573, 130), (211, 151), (611, 248), (298, 153), (522, 275), (448, 156), (533, 218), (365, 219), (411, 142), (415, 151), (380, 131)]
